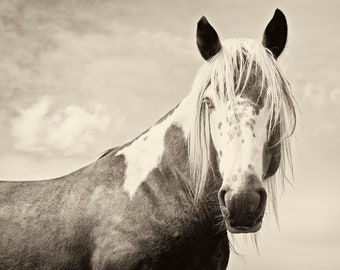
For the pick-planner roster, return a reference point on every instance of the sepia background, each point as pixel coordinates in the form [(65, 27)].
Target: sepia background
[(78, 77)]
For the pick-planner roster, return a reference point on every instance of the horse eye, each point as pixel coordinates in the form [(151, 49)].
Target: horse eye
[(207, 101)]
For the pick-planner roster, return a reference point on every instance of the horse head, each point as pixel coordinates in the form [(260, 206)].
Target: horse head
[(244, 107)]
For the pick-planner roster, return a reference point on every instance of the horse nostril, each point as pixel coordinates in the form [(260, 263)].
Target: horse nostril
[(221, 196), (263, 198), (254, 188), (254, 201), (224, 196)]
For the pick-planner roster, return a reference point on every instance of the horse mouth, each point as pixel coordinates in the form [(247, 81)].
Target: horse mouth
[(244, 229), (256, 226)]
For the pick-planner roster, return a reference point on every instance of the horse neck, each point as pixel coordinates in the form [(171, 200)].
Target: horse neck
[(163, 146), (157, 173)]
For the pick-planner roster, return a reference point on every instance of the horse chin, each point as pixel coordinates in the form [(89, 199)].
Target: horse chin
[(243, 229)]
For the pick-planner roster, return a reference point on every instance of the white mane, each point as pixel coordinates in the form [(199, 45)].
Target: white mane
[(236, 60)]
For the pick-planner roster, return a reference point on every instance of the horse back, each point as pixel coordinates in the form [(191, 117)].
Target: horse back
[(47, 224)]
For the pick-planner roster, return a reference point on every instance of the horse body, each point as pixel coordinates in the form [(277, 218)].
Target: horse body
[(165, 199), (87, 220), (43, 223)]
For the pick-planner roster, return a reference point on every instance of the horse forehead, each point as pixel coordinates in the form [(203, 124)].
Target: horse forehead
[(240, 108), (254, 86)]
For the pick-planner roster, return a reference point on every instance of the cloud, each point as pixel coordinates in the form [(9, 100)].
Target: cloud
[(87, 56), (44, 129), (62, 57)]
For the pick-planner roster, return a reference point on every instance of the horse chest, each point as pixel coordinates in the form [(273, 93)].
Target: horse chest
[(151, 232), (154, 246)]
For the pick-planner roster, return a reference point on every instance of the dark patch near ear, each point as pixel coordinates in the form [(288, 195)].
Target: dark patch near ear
[(254, 88), (219, 125), (207, 39), (275, 35)]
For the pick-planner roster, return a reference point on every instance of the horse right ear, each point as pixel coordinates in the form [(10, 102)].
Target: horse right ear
[(275, 35), (207, 39)]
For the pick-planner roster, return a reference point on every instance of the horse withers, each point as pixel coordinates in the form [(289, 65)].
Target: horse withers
[(167, 199)]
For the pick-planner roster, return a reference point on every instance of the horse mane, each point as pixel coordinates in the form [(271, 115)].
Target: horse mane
[(231, 68)]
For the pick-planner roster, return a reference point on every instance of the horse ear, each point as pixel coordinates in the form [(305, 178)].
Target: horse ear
[(275, 35), (207, 39)]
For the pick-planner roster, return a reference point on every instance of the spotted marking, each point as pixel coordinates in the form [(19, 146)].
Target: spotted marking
[(251, 167), (251, 125), (220, 153), (219, 125)]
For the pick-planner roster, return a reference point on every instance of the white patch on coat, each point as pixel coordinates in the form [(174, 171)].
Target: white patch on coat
[(145, 153)]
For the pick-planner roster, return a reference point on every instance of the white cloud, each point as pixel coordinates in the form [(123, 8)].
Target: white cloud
[(45, 129), (101, 58)]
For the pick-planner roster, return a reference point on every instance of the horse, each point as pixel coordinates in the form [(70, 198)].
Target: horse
[(169, 198)]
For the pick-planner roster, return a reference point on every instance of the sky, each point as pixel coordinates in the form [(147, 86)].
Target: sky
[(80, 76)]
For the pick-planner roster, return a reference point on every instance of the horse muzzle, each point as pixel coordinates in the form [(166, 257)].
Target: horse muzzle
[(243, 211)]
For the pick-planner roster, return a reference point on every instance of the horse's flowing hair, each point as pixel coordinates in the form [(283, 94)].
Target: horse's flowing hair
[(228, 73)]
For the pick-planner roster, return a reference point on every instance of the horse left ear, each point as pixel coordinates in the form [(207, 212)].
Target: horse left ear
[(275, 35), (207, 39)]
